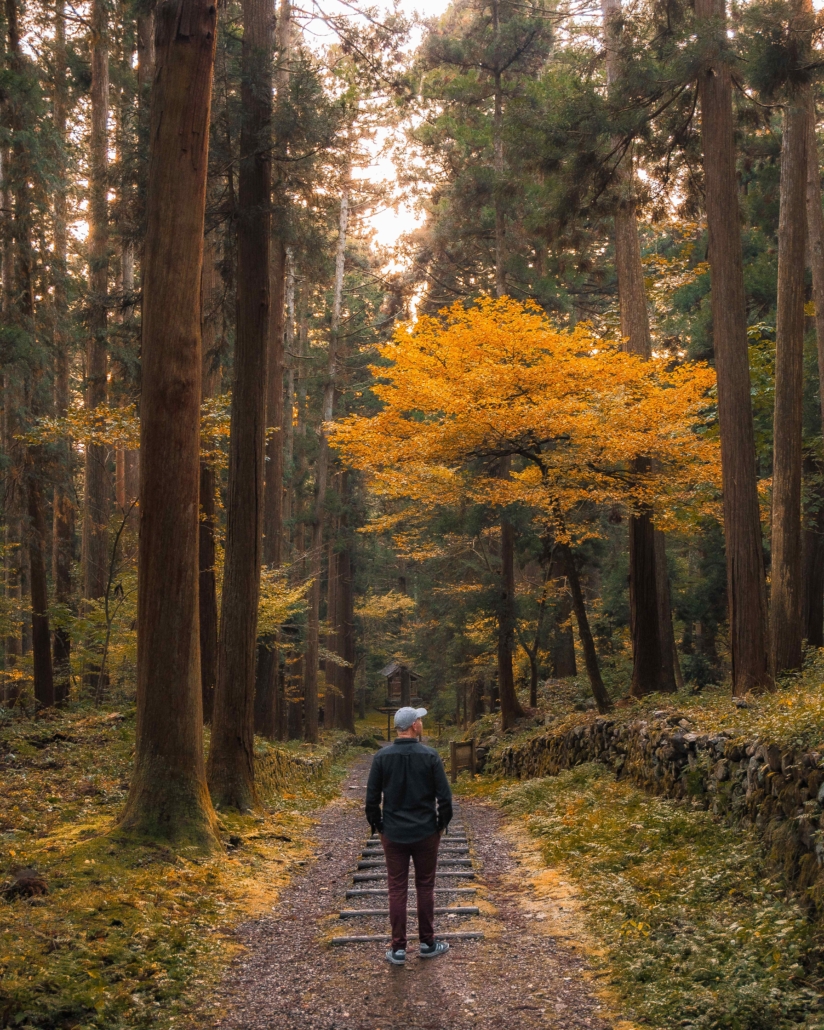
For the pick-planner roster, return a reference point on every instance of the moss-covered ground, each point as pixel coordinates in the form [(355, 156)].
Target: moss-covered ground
[(692, 932), (128, 936)]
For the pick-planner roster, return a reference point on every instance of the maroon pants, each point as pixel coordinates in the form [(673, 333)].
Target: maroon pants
[(424, 853)]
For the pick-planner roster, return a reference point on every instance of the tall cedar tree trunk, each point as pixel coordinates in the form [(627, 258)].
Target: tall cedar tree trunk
[(563, 645), (207, 579), (13, 556), (510, 705), (231, 758), (346, 622), (785, 577), (289, 402), (168, 798), (22, 314), (294, 699), (746, 587), (310, 670), (96, 500), (585, 633), (268, 662), (812, 606), (652, 667), (345, 709), (330, 700), (63, 506), (815, 232), (268, 695)]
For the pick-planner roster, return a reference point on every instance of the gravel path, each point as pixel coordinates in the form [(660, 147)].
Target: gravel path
[(516, 978)]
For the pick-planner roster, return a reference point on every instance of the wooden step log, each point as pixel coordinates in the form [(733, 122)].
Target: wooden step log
[(369, 938), (359, 913), (452, 835), (464, 874), (456, 850), (376, 863), (362, 892)]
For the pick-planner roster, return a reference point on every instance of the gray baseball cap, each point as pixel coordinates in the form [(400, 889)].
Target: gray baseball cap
[(404, 717)]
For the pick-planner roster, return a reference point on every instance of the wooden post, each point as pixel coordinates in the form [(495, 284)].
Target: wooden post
[(473, 765), (453, 760)]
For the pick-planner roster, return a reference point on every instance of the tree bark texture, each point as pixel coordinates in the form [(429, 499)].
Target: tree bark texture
[(289, 401), (268, 663), (785, 571), (346, 638), (44, 694), (23, 315), (651, 617), (97, 500), (330, 700), (812, 610), (231, 757), (510, 705), (647, 656), (599, 691), (310, 671), (168, 798), (814, 550), (62, 506), (749, 627), (207, 579)]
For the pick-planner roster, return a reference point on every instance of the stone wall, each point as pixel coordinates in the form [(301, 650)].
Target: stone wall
[(779, 792)]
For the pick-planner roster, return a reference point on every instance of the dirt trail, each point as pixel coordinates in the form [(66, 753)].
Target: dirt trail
[(291, 979)]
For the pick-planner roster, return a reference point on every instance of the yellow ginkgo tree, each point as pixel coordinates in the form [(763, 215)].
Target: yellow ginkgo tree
[(495, 380)]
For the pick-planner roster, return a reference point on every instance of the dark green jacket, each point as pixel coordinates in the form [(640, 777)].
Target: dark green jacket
[(417, 799)]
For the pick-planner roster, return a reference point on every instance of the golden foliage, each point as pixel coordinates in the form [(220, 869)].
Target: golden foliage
[(473, 385)]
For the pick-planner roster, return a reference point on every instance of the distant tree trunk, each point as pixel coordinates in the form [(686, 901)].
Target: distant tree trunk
[(11, 502), (96, 501), (563, 652), (289, 406), (563, 646), (310, 682), (21, 314), (510, 705), (63, 505), (44, 693), (749, 627), (231, 757), (268, 662), (294, 688), (346, 634), (814, 551), (668, 645), (533, 679), (168, 798), (785, 576), (643, 593), (210, 298), (330, 700), (587, 643), (145, 50), (812, 611), (651, 620)]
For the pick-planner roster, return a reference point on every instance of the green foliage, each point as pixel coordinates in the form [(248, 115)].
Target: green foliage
[(129, 936), (696, 934)]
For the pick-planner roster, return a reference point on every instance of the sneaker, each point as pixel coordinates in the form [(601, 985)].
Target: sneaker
[(433, 950), (397, 958)]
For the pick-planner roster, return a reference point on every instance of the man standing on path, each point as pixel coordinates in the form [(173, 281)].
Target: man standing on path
[(417, 808)]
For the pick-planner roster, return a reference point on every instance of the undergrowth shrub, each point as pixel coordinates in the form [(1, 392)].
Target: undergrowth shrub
[(697, 935)]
